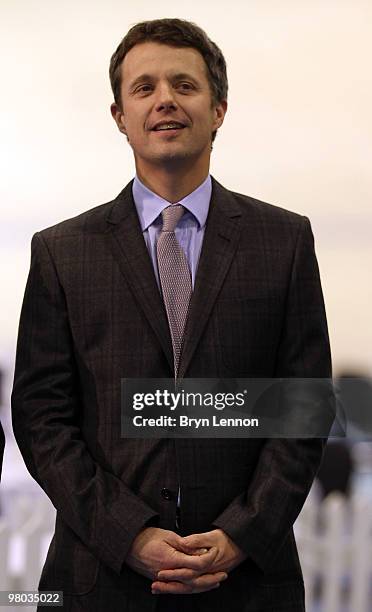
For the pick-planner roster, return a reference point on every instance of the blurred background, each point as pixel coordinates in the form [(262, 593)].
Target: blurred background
[(298, 133)]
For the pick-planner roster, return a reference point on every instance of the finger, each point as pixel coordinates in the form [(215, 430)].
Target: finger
[(175, 588), (178, 588), (196, 562), (193, 551), (182, 574), (199, 540), (199, 551), (186, 548), (187, 576), (208, 581), (177, 542)]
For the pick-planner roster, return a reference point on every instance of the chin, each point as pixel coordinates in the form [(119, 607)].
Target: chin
[(172, 156)]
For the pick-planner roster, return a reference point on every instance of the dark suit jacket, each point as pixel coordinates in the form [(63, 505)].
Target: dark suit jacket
[(92, 314)]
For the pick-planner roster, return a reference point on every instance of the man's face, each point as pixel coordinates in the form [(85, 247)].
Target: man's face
[(161, 84)]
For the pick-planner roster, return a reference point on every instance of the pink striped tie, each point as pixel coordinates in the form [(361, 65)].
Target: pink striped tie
[(175, 278)]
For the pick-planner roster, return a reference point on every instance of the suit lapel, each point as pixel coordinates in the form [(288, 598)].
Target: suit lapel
[(130, 251), (219, 245)]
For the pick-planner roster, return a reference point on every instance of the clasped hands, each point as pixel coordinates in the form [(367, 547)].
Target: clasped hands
[(177, 565)]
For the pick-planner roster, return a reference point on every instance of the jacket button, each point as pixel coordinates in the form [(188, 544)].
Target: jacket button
[(166, 494)]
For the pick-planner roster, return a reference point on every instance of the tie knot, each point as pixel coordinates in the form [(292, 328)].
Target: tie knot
[(171, 215)]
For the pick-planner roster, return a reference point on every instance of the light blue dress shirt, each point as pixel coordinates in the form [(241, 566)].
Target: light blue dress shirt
[(190, 229)]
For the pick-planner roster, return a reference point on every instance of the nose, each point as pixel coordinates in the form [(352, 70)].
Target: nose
[(165, 98)]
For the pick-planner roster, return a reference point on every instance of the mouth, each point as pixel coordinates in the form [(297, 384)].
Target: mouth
[(170, 127), (169, 131)]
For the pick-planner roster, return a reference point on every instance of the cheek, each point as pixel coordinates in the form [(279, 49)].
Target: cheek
[(133, 118), (205, 119), (136, 132)]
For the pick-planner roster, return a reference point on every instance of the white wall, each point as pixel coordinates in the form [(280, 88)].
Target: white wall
[(297, 132)]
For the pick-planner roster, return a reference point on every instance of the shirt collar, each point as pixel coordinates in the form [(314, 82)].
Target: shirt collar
[(149, 205)]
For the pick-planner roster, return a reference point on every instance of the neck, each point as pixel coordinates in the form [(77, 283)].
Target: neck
[(172, 184)]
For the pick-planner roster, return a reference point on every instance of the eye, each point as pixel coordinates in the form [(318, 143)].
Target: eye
[(186, 85), (142, 88)]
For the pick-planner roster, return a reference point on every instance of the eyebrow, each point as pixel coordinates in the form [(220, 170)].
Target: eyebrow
[(174, 77)]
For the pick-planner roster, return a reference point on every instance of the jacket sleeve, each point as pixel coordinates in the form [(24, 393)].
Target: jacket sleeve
[(260, 519), (102, 511)]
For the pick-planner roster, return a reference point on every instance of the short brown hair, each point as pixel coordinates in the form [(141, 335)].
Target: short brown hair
[(175, 33)]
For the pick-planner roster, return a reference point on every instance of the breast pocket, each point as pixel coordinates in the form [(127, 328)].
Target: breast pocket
[(249, 329)]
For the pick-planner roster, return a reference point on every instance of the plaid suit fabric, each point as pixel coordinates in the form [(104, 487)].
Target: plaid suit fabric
[(93, 314)]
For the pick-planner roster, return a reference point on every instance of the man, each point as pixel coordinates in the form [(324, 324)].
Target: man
[(162, 524)]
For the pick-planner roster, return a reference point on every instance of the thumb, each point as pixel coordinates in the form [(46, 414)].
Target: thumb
[(190, 550), (195, 542), (199, 551), (175, 540), (178, 542)]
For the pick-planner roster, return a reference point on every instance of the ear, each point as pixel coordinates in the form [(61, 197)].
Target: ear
[(220, 112), (118, 117)]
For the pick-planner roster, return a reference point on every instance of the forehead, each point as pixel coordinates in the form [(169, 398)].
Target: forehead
[(159, 59)]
